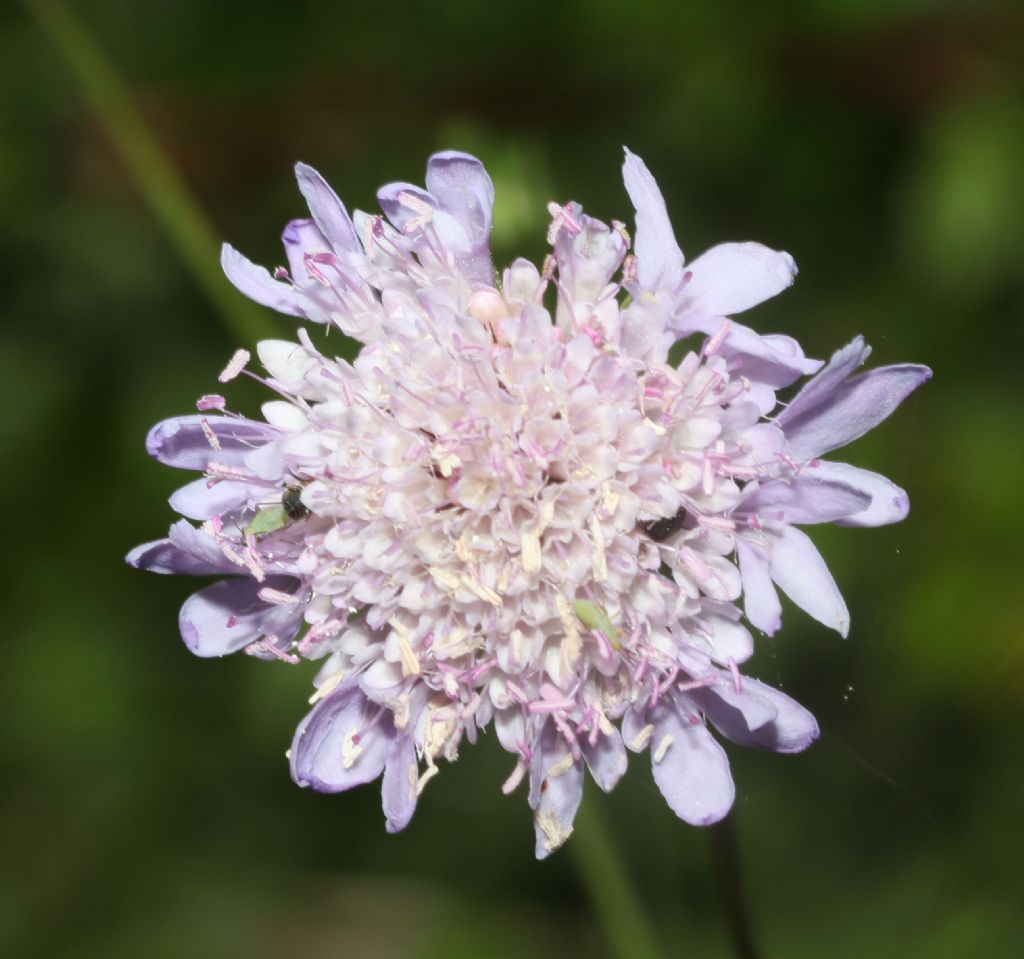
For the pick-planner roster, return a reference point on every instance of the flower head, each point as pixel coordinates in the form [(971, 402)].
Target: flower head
[(510, 509)]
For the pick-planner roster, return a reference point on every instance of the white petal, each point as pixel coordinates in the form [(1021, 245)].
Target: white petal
[(285, 416)]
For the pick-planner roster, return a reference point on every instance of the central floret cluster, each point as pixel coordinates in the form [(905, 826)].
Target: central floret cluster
[(511, 509)]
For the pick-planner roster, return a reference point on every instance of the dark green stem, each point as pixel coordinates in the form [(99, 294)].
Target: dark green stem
[(168, 197), (606, 880), (725, 859)]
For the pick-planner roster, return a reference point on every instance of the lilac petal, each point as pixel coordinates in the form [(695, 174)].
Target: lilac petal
[(800, 572), (817, 390), (805, 499), (202, 500), (560, 798), (775, 358), (768, 370), (220, 619), (257, 284), (690, 767), (728, 639), (757, 711), (187, 551), (162, 556), (398, 787), (851, 409), (510, 728), (764, 443), (200, 545), (266, 462), (463, 188), (606, 759), (229, 615), (301, 237), (588, 260), (556, 789), (397, 212), (338, 745), (760, 601), (181, 441), (741, 717), (733, 277), (889, 503), (659, 260), (634, 721), (452, 234), (328, 211)]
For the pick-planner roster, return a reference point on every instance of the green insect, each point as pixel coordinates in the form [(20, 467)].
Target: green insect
[(272, 518), (593, 617)]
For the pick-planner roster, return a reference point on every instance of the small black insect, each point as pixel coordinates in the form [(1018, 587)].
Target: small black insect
[(661, 529), (292, 503)]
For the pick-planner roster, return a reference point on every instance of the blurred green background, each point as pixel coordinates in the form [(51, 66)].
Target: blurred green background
[(146, 806)]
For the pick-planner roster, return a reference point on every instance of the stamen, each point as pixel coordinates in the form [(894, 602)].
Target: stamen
[(714, 342), (429, 773), (737, 684), (561, 767), (236, 364), (225, 471), (515, 778), (659, 753), (276, 597), (310, 261), (269, 645), (541, 706), (350, 749), (478, 589), (643, 737)]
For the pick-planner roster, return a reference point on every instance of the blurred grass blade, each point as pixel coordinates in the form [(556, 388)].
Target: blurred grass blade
[(606, 882), (161, 186)]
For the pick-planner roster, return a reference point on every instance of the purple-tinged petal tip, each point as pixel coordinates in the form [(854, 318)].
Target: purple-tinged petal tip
[(327, 209), (185, 441), (257, 284), (229, 615), (800, 572), (690, 767), (733, 277), (339, 744), (739, 716), (658, 256), (399, 785)]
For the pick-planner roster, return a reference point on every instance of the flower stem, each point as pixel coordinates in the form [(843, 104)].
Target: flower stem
[(725, 860), (606, 881), (157, 180)]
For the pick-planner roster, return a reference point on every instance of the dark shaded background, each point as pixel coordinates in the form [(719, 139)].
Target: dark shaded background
[(146, 807)]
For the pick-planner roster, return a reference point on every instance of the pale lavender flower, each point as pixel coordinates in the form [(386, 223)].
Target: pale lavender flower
[(510, 510)]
